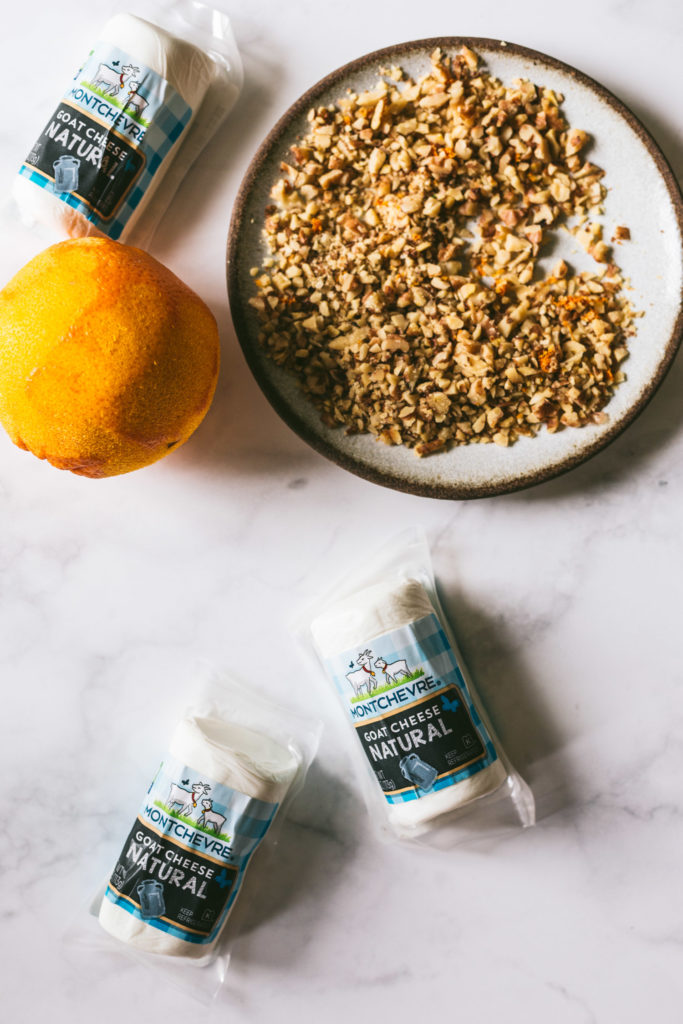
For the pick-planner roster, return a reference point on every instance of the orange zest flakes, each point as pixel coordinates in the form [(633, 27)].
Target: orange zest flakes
[(547, 359), (445, 151), (581, 303), (579, 300)]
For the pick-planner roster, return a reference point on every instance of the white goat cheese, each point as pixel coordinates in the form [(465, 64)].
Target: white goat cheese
[(406, 696), (209, 806)]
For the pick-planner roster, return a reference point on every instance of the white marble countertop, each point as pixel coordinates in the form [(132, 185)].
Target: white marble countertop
[(567, 599)]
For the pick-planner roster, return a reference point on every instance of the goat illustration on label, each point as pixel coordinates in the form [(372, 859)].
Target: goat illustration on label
[(210, 818), (115, 81), (187, 798), (184, 802), (374, 673)]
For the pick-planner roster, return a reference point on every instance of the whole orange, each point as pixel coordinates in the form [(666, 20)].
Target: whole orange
[(107, 360)]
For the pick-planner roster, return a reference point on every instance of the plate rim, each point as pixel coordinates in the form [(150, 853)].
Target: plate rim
[(385, 478)]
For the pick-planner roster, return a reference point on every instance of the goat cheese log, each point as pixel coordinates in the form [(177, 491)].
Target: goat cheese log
[(207, 809), (400, 681), (107, 149)]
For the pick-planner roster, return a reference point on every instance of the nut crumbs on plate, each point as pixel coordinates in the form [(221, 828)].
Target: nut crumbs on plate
[(402, 288)]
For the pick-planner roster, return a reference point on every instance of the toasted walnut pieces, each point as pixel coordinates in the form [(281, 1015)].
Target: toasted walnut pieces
[(402, 287)]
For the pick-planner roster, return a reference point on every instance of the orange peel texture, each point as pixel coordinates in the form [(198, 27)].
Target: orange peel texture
[(107, 360)]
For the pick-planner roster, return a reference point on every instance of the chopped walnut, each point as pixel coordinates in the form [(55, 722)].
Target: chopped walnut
[(402, 287), (621, 234)]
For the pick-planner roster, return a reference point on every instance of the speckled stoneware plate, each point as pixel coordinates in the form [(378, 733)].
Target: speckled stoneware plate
[(643, 194)]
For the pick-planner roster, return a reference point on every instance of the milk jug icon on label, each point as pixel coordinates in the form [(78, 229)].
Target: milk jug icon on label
[(66, 173), (417, 771), (151, 893)]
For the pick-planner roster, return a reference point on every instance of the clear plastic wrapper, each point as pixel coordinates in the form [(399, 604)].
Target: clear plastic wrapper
[(142, 104), (218, 798), (432, 767)]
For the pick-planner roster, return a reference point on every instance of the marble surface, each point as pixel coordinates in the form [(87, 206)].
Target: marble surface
[(567, 599)]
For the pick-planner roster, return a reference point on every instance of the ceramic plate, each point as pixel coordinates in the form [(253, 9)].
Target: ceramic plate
[(642, 193)]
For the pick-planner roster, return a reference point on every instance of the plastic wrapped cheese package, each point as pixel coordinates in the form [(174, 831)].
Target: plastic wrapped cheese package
[(140, 108), (234, 763), (431, 760)]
